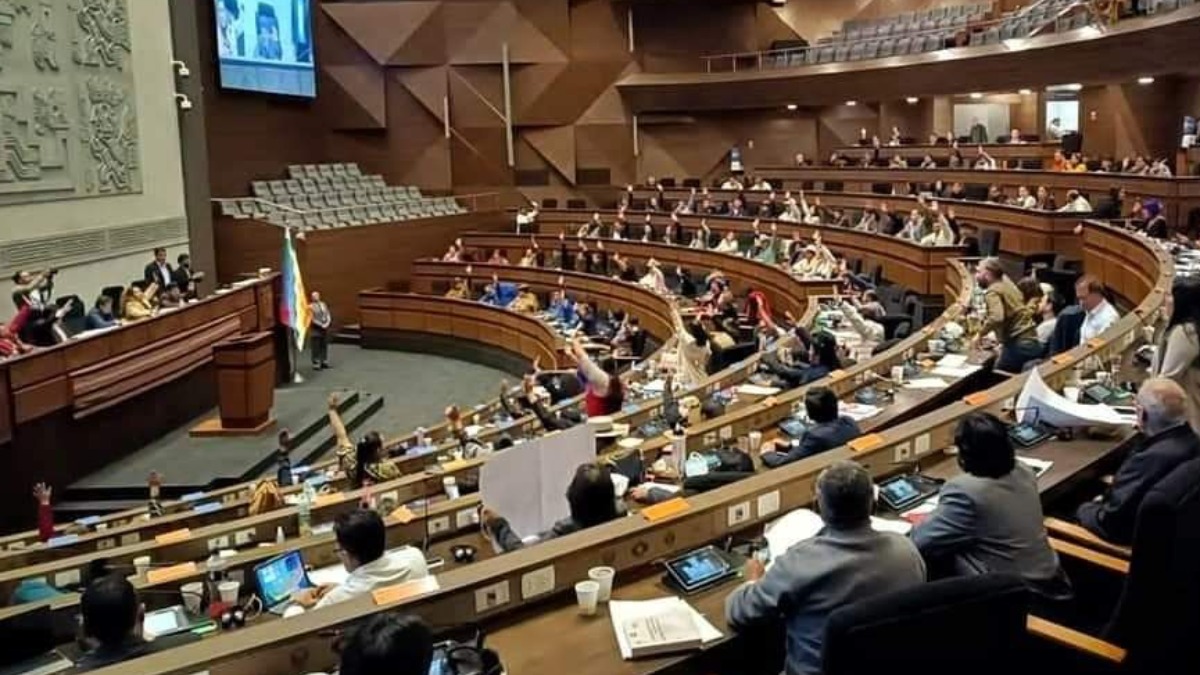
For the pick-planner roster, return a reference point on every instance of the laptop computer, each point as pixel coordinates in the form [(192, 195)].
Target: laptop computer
[(279, 578)]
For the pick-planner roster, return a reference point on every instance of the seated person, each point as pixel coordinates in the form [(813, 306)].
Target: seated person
[(828, 431), (989, 518), (171, 296), (1169, 441), (101, 315), (526, 301), (1100, 312), (871, 331), (869, 306), (630, 339), (362, 540), (388, 644), (845, 562), (10, 338), (365, 461), (530, 400), (112, 617), (138, 303), (460, 290), (592, 501), (499, 293), (822, 359)]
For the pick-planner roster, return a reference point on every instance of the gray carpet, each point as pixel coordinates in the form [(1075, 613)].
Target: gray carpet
[(416, 387)]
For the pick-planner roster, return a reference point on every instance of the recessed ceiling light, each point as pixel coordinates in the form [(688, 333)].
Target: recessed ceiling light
[(1025, 92), (976, 95), (851, 102), (1146, 80), (912, 100), (1074, 86), (792, 106)]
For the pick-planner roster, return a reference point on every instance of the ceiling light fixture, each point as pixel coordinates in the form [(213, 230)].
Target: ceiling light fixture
[(1145, 80), (976, 95), (851, 102), (912, 100), (1025, 92), (792, 106)]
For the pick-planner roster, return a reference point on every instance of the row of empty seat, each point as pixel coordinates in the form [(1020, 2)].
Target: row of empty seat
[(907, 23), (333, 195)]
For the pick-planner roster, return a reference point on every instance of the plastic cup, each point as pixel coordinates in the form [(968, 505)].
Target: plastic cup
[(587, 594), (450, 485), (193, 596), (755, 441), (229, 591), (141, 565), (604, 577)]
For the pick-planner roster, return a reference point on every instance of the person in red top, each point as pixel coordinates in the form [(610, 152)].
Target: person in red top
[(603, 394), (10, 340), (41, 492)]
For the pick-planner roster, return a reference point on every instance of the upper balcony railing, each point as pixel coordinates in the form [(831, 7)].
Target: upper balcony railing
[(1029, 22)]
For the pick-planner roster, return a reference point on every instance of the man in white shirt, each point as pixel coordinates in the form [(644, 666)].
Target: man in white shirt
[(526, 217), (1100, 314), (361, 537), (1076, 203), (1054, 129)]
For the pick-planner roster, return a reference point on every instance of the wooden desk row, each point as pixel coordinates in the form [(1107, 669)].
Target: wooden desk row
[(1039, 151), (1023, 231), (745, 274), (918, 268), (655, 313), (634, 543), (124, 522)]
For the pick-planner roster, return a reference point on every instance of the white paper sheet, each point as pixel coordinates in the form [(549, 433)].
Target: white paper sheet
[(803, 524), (757, 390), (621, 611), (926, 383), (955, 372), (1039, 403), (858, 411), (526, 483), (952, 361)]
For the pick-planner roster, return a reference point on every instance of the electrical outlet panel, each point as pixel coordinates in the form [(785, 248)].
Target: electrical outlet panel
[(921, 445), (392, 496), (768, 503), (243, 537), (67, 578), (537, 582), (105, 544), (130, 539), (739, 513), (727, 432), (710, 439), (218, 543), (439, 524), (466, 518), (903, 452), (491, 597)]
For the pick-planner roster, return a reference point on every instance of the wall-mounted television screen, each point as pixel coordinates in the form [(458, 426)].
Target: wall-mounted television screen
[(266, 46)]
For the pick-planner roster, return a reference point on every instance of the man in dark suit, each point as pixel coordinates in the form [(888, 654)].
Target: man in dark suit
[(829, 430), (989, 518), (159, 270), (185, 277), (1170, 441), (847, 561)]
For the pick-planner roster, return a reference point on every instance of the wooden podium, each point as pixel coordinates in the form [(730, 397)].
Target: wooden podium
[(245, 387)]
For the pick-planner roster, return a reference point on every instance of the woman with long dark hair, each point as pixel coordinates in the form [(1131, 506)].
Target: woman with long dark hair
[(1178, 355), (590, 497)]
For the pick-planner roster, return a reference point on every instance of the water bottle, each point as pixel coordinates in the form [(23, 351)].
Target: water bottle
[(307, 497)]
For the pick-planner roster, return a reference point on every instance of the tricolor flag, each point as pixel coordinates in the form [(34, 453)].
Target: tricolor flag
[(294, 310)]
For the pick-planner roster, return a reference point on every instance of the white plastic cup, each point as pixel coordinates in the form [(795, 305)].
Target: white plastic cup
[(193, 596), (1072, 393), (141, 565), (898, 374), (228, 591), (450, 485), (587, 594), (755, 441), (604, 577)]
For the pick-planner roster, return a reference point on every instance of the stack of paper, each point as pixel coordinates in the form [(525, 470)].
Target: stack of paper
[(648, 627), (757, 390), (803, 524), (858, 411), (925, 383)]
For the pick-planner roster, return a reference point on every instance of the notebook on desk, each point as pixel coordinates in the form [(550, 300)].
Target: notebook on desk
[(661, 626)]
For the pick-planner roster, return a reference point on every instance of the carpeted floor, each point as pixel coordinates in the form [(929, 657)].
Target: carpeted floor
[(416, 387)]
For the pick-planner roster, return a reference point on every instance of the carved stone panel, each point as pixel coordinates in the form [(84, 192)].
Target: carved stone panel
[(68, 118)]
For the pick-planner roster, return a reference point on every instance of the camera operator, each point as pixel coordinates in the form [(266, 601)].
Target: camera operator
[(35, 290)]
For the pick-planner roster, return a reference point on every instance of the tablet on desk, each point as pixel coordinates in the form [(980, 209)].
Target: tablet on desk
[(902, 492), (165, 622), (699, 569)]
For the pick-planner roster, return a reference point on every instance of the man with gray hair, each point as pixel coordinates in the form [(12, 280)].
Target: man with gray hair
[(845, 562), (1008, 316), (1168, 442)]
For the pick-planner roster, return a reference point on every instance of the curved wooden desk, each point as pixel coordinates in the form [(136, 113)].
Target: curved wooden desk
[(784, 291), (918, 268), (1023, 231), (1038, 152), (634, 542), (499, 328)]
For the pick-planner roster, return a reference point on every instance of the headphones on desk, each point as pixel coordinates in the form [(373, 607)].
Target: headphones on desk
[(463, 553)]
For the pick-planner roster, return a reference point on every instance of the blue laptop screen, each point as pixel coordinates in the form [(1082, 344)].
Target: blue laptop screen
[(280, 577)]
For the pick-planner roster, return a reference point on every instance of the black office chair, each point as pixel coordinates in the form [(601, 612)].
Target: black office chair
[(576, 204), (915, 307), (73, 320), (1040, 260), (114, 293), (896, 325), (989, 242), (1063, 281), (978, 621), (876, 275), (549, 203), (691, 183), (1157, 617), (667, 182)]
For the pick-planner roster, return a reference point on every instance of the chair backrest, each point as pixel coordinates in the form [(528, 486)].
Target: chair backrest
[(1158, 617), (978, 622), (989, 242)]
